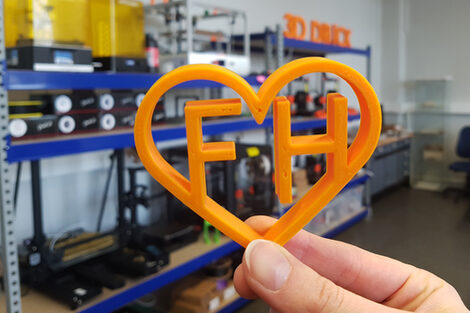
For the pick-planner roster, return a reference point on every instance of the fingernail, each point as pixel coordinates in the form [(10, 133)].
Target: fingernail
[(267, 264)]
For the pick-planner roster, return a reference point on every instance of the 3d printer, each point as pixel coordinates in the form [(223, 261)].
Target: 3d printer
[(186, 37), (48, 35), (117, 35)]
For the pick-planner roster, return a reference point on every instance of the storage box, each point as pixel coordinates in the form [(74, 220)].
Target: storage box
[(345, 205), (201, 298)]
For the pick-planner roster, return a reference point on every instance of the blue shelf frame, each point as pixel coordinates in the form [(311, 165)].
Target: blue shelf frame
[(19, 152), (31, 80), (356, 182), (308, 47), (321, 48)]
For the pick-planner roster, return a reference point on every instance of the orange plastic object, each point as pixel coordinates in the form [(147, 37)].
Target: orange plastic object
[(334, 143), (198, 152), (342, 162)]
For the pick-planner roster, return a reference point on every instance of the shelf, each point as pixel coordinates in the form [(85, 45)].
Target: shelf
[(67, 145), (308, 47), (182, 262), (299, 47), (32, 80)]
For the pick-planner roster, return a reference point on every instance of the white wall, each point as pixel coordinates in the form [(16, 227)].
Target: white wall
[(72, 186), (393, 69), (438, 45), (427, 39)]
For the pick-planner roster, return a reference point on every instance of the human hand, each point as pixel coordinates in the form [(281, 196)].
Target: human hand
[(318, 275)]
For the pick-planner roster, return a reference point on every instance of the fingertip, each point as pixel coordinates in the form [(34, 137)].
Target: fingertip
[(267, 263), (261, 223)]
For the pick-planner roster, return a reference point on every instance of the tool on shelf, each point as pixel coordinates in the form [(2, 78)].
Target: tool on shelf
[(207, 231)]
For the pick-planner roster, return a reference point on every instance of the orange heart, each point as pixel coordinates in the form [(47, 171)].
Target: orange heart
[(342, 165)]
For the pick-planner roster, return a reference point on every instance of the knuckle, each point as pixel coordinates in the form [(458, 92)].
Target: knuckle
[(330, 298)]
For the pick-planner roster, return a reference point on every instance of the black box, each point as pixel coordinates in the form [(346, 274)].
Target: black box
[(117, 118), (125, 118), (79, 100), (84, 100), (28, 108), (125, 100), (87, 121), (119, 99), (159, 112), (55, 58), (67, 124), (33, 126)]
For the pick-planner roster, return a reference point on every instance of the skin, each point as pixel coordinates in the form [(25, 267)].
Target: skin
[(317, 275)]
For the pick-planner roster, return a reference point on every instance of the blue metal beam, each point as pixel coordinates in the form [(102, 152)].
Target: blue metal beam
[(59, 147), (322, 48), (31, 80), (356, 182), (306, 47)]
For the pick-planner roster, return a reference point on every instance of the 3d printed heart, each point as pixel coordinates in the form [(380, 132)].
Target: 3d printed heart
[(342, 162)]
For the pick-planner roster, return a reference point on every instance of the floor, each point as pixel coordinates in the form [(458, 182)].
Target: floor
[(417, 227)]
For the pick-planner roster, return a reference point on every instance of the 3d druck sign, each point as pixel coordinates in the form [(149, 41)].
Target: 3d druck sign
[(342, 162), (319, 32)]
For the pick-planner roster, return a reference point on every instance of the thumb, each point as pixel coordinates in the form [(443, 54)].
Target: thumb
[(288, 285)]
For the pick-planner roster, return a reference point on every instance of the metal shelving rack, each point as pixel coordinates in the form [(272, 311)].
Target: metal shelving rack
[(275, 46), (30, 80), (9, 252), (66, 145)]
